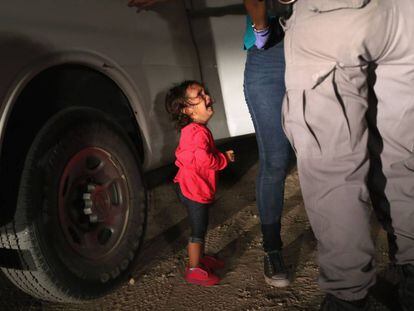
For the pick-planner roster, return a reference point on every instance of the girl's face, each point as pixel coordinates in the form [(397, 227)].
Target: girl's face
[(200, 104)]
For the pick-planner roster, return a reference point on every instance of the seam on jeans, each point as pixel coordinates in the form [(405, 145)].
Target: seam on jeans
[(258, 141), (252, 114)]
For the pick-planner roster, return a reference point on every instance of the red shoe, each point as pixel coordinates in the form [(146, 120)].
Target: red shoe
[(212, 263), (201, 277)]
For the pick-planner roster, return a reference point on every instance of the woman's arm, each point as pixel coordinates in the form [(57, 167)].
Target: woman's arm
[(257, 11)]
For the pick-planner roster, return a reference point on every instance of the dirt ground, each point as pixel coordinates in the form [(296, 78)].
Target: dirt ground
[(234, 236)]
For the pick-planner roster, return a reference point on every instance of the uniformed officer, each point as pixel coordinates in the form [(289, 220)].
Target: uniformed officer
[(333, 49)]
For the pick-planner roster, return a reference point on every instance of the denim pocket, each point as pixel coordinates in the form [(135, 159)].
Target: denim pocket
[(332, 5)]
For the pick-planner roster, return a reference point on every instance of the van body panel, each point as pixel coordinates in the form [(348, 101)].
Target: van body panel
[(144, 53)]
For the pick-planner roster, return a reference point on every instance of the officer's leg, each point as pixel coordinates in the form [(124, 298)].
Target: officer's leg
[(324, 117), (394, 90)]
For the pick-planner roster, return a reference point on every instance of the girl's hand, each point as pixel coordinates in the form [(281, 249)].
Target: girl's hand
[(230, 155)]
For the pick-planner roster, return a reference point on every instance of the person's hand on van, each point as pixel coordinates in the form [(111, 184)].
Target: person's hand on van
[(142, 4)]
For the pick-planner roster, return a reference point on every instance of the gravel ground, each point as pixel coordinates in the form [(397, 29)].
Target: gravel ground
[(234, 236)]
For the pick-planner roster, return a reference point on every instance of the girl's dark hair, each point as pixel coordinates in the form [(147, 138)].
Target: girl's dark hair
[(176, 100)]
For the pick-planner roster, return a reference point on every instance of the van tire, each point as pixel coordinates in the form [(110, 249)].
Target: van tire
[(81, 209)]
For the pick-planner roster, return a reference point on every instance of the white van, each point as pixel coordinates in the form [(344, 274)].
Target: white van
[(82, 120)]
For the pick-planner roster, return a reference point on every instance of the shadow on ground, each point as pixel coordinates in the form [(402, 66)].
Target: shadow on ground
[(11, 298)]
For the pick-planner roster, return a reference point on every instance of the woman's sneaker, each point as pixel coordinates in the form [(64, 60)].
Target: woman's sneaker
[(201, 276), (212, 263), (275, 272)]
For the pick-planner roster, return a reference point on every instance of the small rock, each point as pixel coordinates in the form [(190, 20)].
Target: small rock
[(131, 281)]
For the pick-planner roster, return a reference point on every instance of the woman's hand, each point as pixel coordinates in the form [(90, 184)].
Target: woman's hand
[(257, 11)]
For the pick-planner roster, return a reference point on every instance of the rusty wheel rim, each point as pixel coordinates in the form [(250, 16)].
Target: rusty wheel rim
[(93, 203)]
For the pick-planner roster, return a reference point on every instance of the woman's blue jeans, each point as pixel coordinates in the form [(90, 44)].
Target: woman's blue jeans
[(264, 89)]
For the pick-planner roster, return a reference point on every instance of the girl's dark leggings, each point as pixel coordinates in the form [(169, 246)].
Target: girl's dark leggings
[(197, 217)]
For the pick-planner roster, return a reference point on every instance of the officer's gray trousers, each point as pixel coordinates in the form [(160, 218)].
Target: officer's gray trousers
[(330, 47)]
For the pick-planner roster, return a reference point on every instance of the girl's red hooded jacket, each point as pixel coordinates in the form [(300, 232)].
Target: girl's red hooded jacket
[(198, 161)]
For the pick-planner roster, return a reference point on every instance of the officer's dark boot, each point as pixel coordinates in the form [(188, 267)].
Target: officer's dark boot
[(332, 303), (406, 288)]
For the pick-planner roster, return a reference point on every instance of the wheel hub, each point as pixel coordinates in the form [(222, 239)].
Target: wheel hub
[(93, 202), (97, 203)]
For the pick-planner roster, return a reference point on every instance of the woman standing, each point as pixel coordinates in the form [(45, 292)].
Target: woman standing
[(264, 88)]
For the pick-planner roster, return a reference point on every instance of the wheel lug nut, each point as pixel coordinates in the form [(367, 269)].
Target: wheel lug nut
[(87, 211), (91, 187)]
